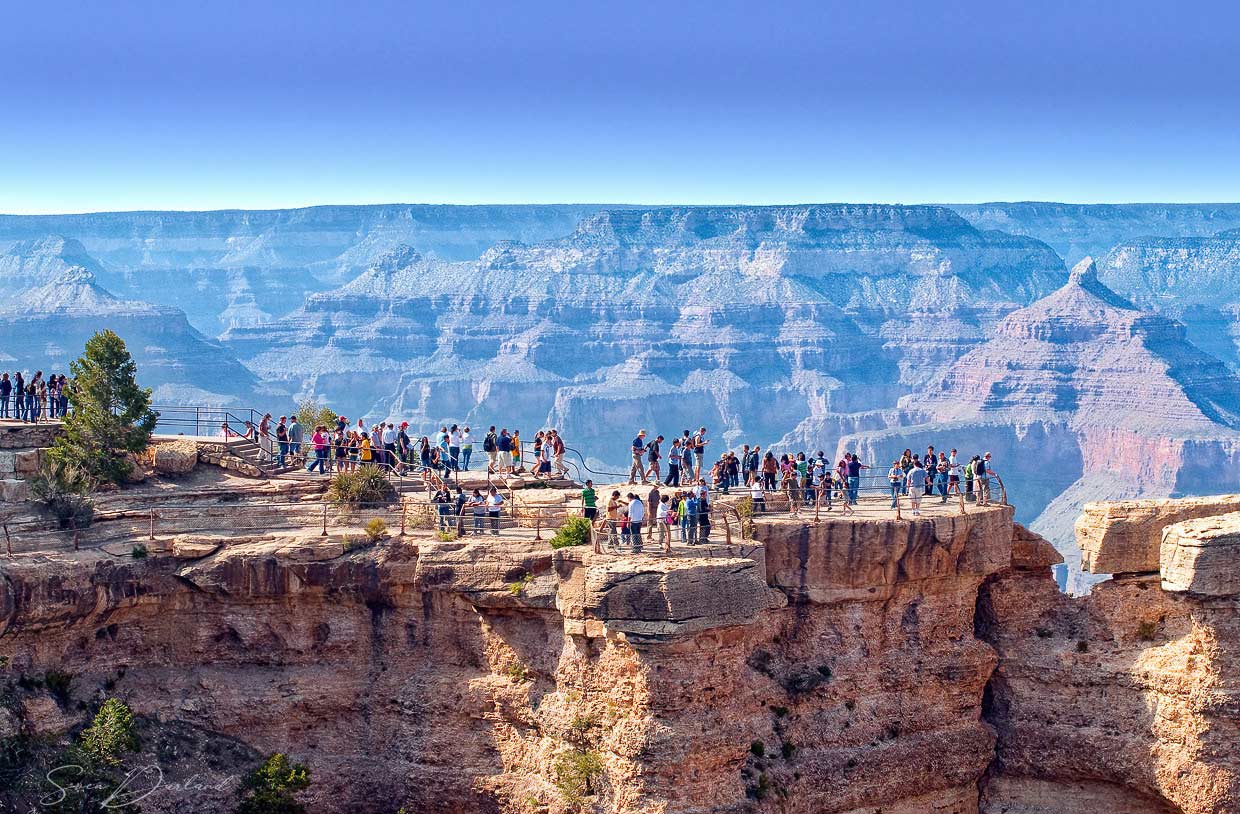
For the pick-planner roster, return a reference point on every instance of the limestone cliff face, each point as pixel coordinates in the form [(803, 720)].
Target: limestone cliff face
[(848, 666), (1123, 700), (831, 668)]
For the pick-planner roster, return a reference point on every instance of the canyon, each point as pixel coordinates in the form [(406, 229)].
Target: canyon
[(814, 664), (797, 327)]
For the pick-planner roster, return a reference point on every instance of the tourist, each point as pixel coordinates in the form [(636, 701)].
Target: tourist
[(983, 471), (589, 502), (495, 503), (674, 458), (6, 390), (637, 469), (557, 450), (454, 448), (689, 518), (365, 450), (32, 398), (757, 495), (467, 448), (896, 475), (769, 468), (53, 396), (916, 485), (505, 446), (443, 507), (294, 441), (653, 455), (703, 510), (404, 447), (319, 442), (854, 468), (614, 505), (19, 396), (661, 519), (514, 464), (953, 474), (637, 515), (479, 506), (699, 449), (653, 498), (490, 445)]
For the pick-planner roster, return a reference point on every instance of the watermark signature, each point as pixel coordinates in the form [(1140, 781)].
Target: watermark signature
[(135, 785)]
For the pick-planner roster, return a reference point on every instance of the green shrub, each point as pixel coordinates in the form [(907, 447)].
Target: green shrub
[(139, 552), (1082, 646), (63, 490), (575, 772), (376, 530), (788, 750), (575, 531), (272, 788), (365, 486), (110, 734), (758, 748), (445, 536), (516, 588), (517, 672)]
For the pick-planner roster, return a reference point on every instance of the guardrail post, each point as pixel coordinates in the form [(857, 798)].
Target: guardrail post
[(324, 534), (8, 541), (537, 526), (151, 533), (899, 494), (404, 510)]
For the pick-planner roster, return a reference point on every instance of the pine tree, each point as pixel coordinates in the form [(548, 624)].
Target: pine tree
[(111, 416), (272, 788)]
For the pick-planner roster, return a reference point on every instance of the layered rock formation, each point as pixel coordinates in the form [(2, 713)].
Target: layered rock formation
[(1081, 396), (847, 666), (667, 318), (1123, 700), (235, 267), (1091, 230), (52, 304), (1193, 279)]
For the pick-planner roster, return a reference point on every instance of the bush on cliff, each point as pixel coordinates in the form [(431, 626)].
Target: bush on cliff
[(575, 531), (272, 788), (364, 486), (111, 734), (62, 489), (112, 415)]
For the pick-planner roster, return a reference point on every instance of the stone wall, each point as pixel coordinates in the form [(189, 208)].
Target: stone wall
[(22, 449)]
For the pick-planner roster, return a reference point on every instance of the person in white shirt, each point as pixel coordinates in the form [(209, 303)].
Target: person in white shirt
[(637, 514), (495, 502), (467, 448), (757, 495), (660, 518)]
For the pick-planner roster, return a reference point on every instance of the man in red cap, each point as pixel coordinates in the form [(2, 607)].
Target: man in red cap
[(405, 446)]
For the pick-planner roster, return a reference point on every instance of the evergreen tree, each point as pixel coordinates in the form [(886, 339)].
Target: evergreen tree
[(272, 788), (111, 416)]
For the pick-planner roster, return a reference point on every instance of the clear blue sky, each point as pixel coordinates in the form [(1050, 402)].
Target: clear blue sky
[(215, 103)]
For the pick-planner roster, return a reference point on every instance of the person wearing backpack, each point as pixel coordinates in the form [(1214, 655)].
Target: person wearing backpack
[(982, 473), (490, 445)]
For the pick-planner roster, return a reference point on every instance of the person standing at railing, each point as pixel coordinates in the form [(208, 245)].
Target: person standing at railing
[(854, 476), (19, 396), (982, 473), (916, 485), (662, 513), (940, 477), (637, 516), (557, 450), (6, 390), (699, 452), (896, 476), (953, 474), (443, 507), (404, 447), (478, 507), (490, 445), (467, 448), (514, 453), (703, 512), (53, 396), (294, 441), (454, 448), (614, 506), (756, 495), (689, 518), (504, 444), (32, 399)]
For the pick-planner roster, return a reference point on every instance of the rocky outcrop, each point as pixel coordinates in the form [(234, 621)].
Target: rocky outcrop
[(1123, 537), (1119, 701), (175, 458)]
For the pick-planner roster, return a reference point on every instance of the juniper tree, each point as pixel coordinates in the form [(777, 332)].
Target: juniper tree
[(111, 416)]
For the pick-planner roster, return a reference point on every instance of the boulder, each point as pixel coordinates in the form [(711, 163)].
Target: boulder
[(1032, 551), (28, 462), (1201, 556), (177, 457), (1125, 536)]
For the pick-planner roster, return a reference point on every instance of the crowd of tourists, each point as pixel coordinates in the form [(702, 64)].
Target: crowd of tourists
[(33, 399), (343, 447)]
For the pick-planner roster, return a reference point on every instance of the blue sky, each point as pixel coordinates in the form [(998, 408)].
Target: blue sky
[(199, 105)]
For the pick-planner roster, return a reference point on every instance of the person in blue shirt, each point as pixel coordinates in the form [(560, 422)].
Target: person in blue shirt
[(638, 447)]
